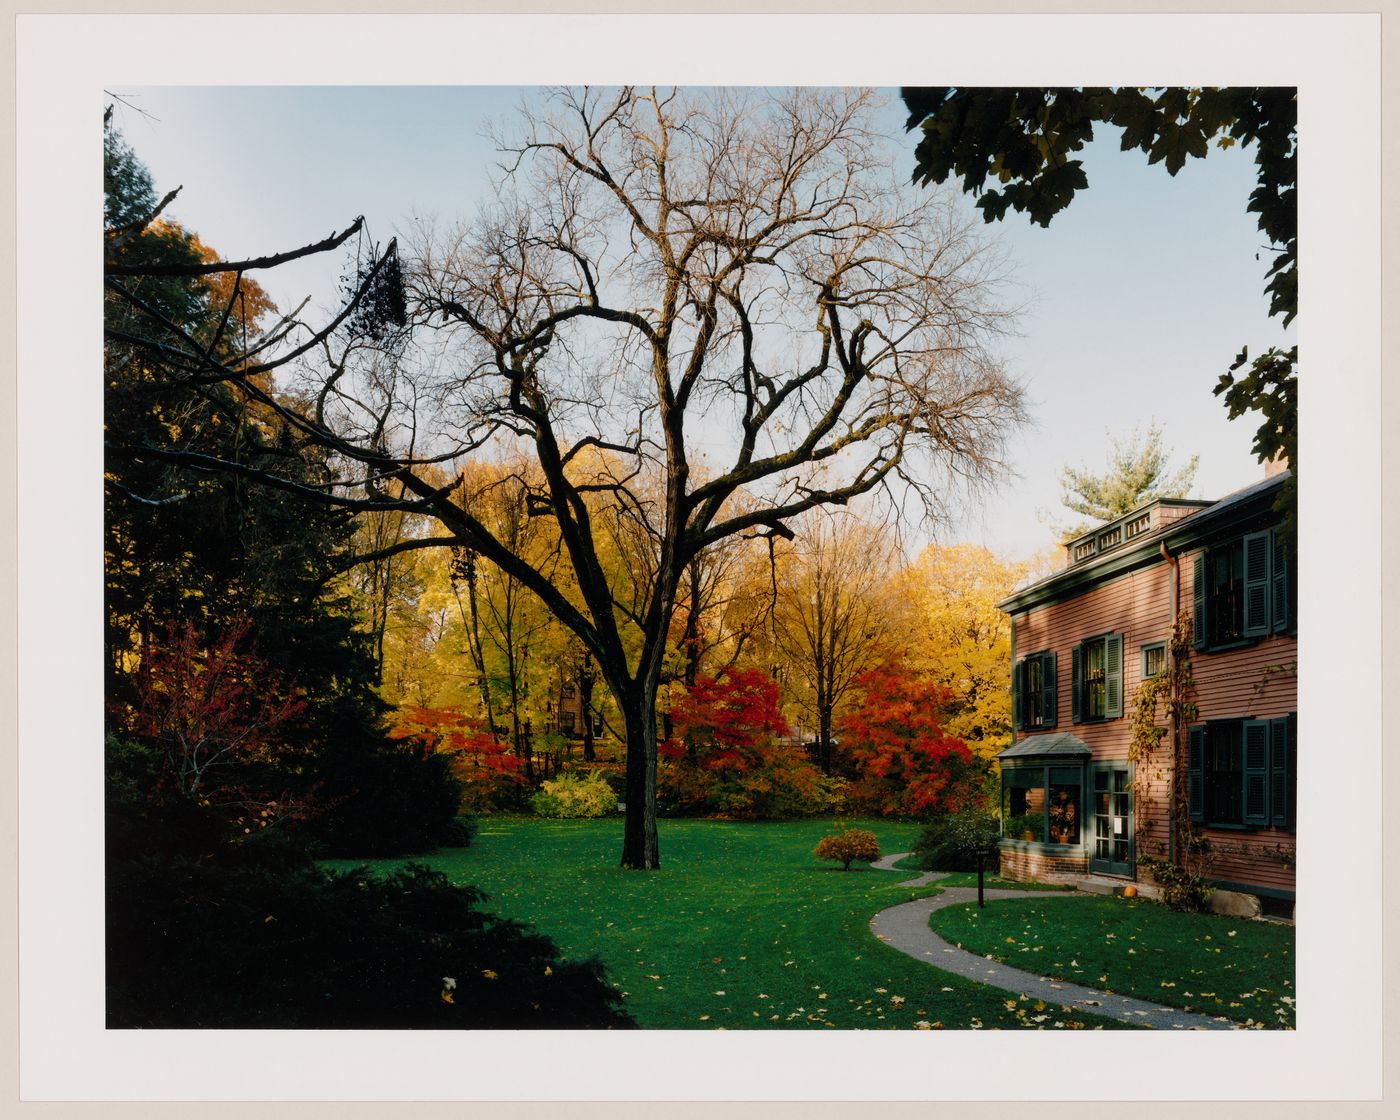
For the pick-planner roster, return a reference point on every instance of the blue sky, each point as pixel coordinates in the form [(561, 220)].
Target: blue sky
[(1140, 293)]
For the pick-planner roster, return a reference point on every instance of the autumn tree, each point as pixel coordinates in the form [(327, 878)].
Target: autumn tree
[(831, 616), (1026, 138), (731, 756), (666, 268), (906, 762), (959, 642), (1139, 471)]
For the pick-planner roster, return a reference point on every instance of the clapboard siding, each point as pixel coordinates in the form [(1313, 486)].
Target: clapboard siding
[(1136, 605), (1257, 680)]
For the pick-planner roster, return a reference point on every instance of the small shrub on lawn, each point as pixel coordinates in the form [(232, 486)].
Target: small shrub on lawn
[(571, 796), (461, 831), (848, 845), (951, 842)]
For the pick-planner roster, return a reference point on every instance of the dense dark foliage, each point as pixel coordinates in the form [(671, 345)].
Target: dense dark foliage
[(212, 550), (212, 926), (227, 637)]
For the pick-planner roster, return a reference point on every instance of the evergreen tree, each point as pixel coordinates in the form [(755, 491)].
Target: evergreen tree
[(1139, 471)]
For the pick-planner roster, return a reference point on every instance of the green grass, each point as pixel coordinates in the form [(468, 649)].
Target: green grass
[(1219, 966), (742, 928)]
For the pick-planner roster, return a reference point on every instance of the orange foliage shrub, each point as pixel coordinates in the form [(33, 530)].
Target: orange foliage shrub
[(846, 845)]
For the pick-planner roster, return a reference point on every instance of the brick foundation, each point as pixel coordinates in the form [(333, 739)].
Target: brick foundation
[(1022, 860)]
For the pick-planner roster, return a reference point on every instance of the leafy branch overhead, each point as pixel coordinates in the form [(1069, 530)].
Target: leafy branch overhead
[(1023, 140)]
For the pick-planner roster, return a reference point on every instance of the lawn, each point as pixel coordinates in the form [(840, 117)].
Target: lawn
[(742, 927), (1201, 962)]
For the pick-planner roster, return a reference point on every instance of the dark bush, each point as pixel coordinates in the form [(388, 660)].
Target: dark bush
[(461, 832), (387, 798), (952, 841), (240, 943), (218, 917)]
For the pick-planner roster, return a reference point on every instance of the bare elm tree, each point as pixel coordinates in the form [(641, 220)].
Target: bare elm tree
[(700, 314)]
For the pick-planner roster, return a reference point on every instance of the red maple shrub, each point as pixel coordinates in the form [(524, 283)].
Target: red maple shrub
[(208, 710), (903, 762), (727, 756)]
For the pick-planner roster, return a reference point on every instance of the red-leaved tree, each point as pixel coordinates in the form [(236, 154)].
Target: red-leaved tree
[(487, 769), (727, 755), (904, 762), (209, 708)]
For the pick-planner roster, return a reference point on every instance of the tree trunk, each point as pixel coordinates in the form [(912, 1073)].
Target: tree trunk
[(640, 849), (585, 703)]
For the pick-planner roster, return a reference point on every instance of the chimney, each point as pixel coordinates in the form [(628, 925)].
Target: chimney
[(1277, 465)]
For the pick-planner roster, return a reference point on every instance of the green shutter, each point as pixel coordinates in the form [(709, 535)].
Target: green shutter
[(1113, 676), (1278, 772), (1076, 681), (1280, 584), (1018, 690), (1048, 677), (1198, 601), (1195, 774), (1258, 586), (1256, 771), (1293, 770)]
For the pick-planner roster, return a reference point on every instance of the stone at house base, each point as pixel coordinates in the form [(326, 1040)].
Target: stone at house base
[(1107, 884), (1235, 904)]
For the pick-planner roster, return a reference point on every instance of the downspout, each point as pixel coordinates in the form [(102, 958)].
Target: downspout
[(1001, 770), (1172, 591)]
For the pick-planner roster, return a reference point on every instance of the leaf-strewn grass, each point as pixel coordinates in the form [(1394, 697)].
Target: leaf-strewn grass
[(1219, 966), (741, 927)]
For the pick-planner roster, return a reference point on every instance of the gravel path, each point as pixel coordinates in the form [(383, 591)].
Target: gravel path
[(905, 927)]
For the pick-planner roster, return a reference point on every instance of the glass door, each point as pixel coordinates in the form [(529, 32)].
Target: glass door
[(1112, 852)]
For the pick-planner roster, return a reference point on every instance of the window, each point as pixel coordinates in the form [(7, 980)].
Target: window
[(568, 692), (1033, 691), (1042, 803), (1244, 772), (566, 722), (1097, 685), (1154, 659), (1241, 591)]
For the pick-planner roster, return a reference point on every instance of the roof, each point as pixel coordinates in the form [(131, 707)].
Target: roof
[(1193, 525), (1145, 549), (1061, 744)]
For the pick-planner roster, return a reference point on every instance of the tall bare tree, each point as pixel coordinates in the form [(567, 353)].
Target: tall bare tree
[(669, 274)]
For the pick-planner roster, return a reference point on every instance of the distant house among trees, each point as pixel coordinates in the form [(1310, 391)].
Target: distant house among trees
[(1154, 693)]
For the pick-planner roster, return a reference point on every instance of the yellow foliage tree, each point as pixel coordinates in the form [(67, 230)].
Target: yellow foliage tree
[(958, 637)]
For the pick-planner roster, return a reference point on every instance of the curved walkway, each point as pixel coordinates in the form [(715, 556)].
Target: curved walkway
[(905, 927)]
